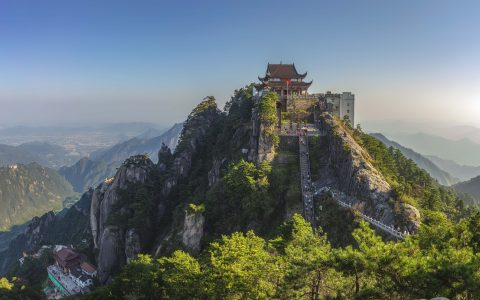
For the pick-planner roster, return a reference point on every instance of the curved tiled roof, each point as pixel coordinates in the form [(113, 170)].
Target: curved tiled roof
[(283, 71), (66, 256)]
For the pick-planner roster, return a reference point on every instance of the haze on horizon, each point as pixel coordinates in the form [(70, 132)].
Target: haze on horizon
[(65, 62)]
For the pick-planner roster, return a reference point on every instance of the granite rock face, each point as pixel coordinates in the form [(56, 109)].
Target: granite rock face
[(215, 173), (358, 178), (411, 215), (195, 130), (132, 244), (110, 240), (261, 146), (117, 244), (193, 231), (37, 230), (110, 257)]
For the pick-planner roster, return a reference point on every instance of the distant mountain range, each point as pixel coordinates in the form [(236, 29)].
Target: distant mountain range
[(150, 133), (471, 187), (462, 151), (423, 162), (139, 145), (442, 129), (129, 129), (460, 171), (44, 153), (80, 139), (30, 190), (89, 172)]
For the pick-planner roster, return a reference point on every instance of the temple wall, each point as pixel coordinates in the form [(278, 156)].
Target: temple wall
[(301, 102)]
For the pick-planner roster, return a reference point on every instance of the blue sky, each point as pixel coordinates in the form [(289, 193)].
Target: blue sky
[(108, 61)]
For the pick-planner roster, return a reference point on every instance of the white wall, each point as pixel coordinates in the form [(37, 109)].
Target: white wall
[(347, 106)]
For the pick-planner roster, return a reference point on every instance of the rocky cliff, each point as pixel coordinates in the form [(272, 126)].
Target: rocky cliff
[(139, 209), (192, 232), (115, 242), (264, 119), (357, 177)]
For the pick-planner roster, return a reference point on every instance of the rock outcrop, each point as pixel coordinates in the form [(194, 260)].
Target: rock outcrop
[(132, 244), (193, 230), (262, 147), (195, 130), (118, 242), (110, 239), (215, 172), (110, 256), (37, 230), (358, 178)]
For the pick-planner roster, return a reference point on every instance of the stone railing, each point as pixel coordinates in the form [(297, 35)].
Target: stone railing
[(386, 228)]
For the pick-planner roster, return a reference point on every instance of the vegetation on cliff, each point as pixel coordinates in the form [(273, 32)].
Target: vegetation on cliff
[(245, 257), (410, 183), (267, 109), (299, 263), (203, 110), (240, 200), (251, 245)]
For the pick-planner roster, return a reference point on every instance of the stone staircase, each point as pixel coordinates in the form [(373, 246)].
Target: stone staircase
[(305, 181)]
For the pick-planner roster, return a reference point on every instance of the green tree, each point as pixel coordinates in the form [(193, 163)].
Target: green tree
[(246, 190), (362, 261), (138, 280), (240, 267), (307, 258), (181, 276)]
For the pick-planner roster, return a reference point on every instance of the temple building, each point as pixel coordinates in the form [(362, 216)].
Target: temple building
[(285, 80), (295, 103)]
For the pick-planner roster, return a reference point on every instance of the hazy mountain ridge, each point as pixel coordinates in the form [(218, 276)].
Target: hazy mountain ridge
[(30, 190), (462, 151), (129, 128), (43, 153), (471, 187), (77, 139), (423, 162), (138, 145), (443, 129), (89, 172), (461, 171)]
